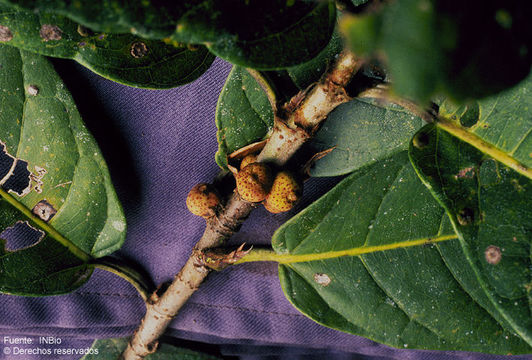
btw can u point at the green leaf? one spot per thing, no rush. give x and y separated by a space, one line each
110 349
124 58
502 122
244 112
489 206
51 167
433 46
287 83
268 34
362 32
299 33
305 74
362 131
406 297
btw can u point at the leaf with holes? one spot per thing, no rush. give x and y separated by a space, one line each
110 349
54 183
366 259
244 113
361 132
268 34
489 206
124 58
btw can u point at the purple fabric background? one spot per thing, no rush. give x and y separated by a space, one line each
159 144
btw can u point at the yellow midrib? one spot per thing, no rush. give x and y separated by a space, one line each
44 226
482 145
270 255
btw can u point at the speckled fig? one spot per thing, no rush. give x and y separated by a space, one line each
254 182
248 159
285 192
203 200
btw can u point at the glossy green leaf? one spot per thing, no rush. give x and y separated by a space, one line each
362 131
268 34
124 58
288 82
357 271
503 121
299 32
244 113
305 74
110 349
489 206
54 180
434 46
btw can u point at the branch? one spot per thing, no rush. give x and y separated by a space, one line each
290 132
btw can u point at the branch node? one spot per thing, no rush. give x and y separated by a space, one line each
218 259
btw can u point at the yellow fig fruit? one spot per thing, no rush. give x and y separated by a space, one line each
248 159
202 200
286 191
254 181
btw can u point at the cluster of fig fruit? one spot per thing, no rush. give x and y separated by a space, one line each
255 182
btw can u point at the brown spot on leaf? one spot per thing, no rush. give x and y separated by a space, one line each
466 173
50 32
138 49
493 254
322 279
5 33
44 210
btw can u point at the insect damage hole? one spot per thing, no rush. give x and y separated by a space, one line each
21 236
7 164
44 210
493 254
466 216
15 177
19 181
421 140
50 32
322 279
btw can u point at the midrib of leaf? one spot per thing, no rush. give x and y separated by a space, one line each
48 229
251 105
482 145
270 255
266 87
